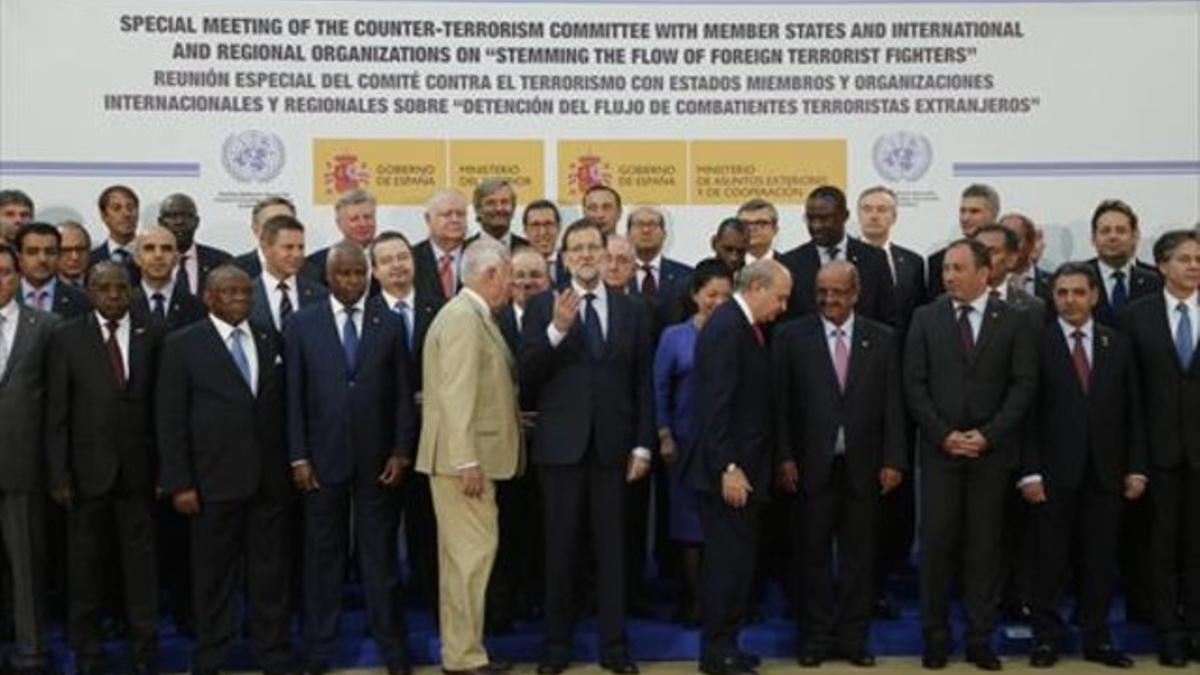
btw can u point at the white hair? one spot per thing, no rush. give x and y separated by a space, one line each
481 257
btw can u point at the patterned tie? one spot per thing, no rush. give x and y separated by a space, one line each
350 338
285 304
841 357
239 356
401 308
183 277
114 354
160 306
1120 293
964 328
1080 360
1184 342
592 331
446 272
649 285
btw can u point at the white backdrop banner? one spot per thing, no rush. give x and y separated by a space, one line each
695 106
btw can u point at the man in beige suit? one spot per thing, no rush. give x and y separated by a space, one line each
470 438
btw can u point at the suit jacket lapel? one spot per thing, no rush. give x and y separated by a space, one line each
225 358
991 314
21 340
493 330
825 356
266 358
858 354
616 320
260 304
370 332
953 336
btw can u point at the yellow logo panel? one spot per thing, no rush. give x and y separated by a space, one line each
400 172
781 171
648 172
521 162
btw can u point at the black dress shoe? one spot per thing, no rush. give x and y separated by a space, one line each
1172 657
859 657
1043 655
812 657
935 656
1106 655
730 665
549 667
984 658
748 660
620 664
144 668
399 669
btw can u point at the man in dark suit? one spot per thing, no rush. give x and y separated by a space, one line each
978 206
1025 274
280 290
73 253
541 222
351 430
393 268
100 449
178 214
354 214
826 214
16 209
37 247
1088 449
158 295
495 201
223 462
877 213
731 466
1002 245
603 205
25 336
970 375
439 256
1164 328
656 276
119 212
585 359
842 442
1122 277
265 209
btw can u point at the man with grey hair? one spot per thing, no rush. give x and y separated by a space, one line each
439 257
495 202
73 252
978 206
731 466
470 438
355 217
1025 273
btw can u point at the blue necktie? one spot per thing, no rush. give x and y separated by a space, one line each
592 333
1120 292
239 357
350 338
401 308
1184 343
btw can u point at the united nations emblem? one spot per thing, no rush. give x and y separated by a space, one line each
253 156
902 155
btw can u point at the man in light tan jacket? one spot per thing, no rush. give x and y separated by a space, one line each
470 437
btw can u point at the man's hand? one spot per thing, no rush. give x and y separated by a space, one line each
735 489
63 494
1034 492
787 476
186 502
954 445
889 479
1135 486
393 471
304 478
667 449
636 469
975 442
566 309
472 481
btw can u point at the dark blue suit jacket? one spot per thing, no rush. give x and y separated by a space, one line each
733 404
609 400
347 421
307 291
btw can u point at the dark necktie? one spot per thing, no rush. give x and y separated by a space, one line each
592 332
183 277
649 285
285 304
758 335
160 306
833 252
401 308
994 295
350 338
964 328
114 354
1079 358
1184 342
1120 292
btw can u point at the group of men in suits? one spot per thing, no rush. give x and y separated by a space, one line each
875 366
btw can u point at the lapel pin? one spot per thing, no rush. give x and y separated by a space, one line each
1104 341
865 343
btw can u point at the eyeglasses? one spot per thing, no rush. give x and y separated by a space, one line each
585 248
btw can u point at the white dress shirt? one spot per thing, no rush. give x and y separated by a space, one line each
113 247
600 303
123 325
30 294
751 258
251 350
410 303
275 296
167 290
339 317
1106 277
1089 337
655 269
831 331
1173 317
745 307
979 305
193 268
455 261
823 251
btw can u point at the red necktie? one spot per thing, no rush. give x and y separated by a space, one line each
964 328
1080 360
758 335
649 285
447 274
114 354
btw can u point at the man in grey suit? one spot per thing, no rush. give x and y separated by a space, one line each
970 374
24 337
